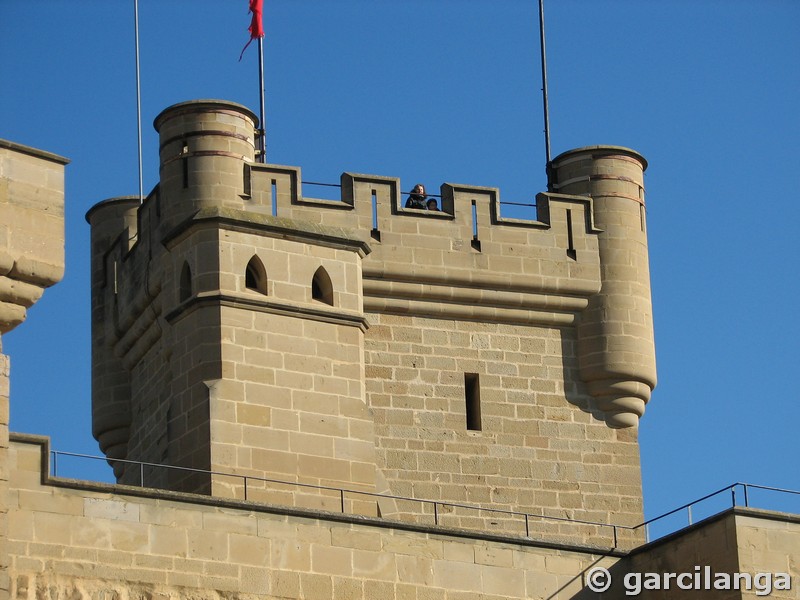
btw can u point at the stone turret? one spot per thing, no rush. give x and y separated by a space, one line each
203 148
615 334
111 221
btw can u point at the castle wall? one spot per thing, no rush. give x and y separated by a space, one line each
768 543
79 540
90 543
291 400
740 540
31 259
4 475
539 449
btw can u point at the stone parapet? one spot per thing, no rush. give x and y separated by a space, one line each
84 540
81 541
31 228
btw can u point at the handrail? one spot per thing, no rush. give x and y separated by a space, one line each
339 185
437 504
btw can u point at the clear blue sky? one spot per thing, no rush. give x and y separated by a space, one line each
449 90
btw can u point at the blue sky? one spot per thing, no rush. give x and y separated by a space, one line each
706 90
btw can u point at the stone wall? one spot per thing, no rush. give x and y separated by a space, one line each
75 540
538 448
740 540
5 469
83 542
31 259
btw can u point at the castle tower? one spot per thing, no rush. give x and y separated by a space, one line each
246 330
615 335
216 325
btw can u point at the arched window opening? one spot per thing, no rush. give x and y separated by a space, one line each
255 276
321 287
185 288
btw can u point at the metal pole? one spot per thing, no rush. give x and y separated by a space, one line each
544 85
138 97
261 89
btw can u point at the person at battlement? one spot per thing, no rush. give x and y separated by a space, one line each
416 198
432 205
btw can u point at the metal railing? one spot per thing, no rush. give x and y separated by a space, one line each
728 489
437 508
502 202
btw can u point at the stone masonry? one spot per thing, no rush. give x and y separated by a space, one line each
468 360
460 356
31 259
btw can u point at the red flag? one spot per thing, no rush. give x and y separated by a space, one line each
256 24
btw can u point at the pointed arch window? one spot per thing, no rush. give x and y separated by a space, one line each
321 287
185 286
255 276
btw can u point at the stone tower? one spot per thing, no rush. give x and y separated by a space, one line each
242 329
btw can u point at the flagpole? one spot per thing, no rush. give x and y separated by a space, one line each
138 97
544 90
261 89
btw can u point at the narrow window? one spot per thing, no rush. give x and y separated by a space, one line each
641 216
571 252
476 243
472 394
274 198
255 276
247 181
321 287
376 234
185 165
186 283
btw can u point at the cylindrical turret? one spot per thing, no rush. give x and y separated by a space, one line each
111 411
616 352
203 148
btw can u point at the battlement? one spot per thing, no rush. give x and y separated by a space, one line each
240 324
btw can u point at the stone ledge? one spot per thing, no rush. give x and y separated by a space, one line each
33 152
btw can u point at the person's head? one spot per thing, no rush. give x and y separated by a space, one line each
419 189
432 204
